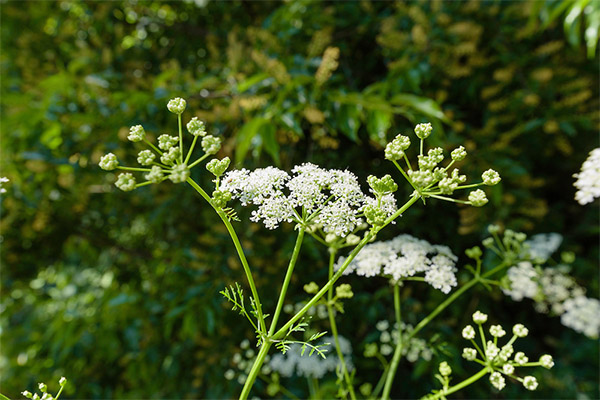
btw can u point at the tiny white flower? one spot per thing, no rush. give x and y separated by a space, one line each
229 374
468 332
497 331
530 383
508 369
519 330
521 358
479 317
176 105
547 361
469 353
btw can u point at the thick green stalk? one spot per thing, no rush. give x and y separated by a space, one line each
282 331
461 385
260 359
240 251
398 352
334 330
287 279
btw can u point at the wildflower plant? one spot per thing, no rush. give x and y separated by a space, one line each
330 206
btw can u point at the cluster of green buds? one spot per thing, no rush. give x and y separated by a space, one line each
500 360
342 291
382 188
44 390
431 180
166 160
508 246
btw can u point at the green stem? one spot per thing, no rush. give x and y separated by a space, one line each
287 279
398 352
461 385
421 148
198 161
406 176
451 299
133 169
59 392
283 330
240 251
260 358
379 385
473 185
153 146
189 154
180 139
334 330
448 199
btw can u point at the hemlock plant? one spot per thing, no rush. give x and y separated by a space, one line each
331 207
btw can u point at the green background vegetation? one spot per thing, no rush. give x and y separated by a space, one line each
119 291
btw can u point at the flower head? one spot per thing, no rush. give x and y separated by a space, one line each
547 361
146 157
479 317
478 198
445 369
176 105
108 162
497 380
179 173
469 353
588 180
196 127
458 154
530 383
490 177
395 149
165 142
211 144
519 330
136 133
423 130
468 332
125 182
497 331
155 175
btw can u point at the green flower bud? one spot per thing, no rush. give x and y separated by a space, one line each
125 182
493 228
221 197
547 361
508 369
497 380
108 162
530 383
458 154
27 394
311 288
478 198
170 156
497 331
146 157
211 144
479 317
155 175
218 167
196 127
423 130
445 369
344 291
371 350
519 330
179 173
136 133
395 149
165 142
176 105
490 177
374 215
436 155
62 381
474 252
382 186
568 257
488 242
469 353
43 387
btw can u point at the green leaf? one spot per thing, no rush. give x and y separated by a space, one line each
423 105
267 133
253 80
292 123
348 120
245 135
378 123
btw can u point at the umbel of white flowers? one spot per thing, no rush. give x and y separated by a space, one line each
588 180
406 256
499 359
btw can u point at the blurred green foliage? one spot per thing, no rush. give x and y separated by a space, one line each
119 292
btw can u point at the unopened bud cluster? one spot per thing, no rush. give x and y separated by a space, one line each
168 159
500 360
431 179
43 388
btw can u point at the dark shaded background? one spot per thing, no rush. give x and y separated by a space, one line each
119 291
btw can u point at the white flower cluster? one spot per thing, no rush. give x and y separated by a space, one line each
555 291
44 390
311 366
331 199
588 180
541 246
582 314
405 256
499 358
412 348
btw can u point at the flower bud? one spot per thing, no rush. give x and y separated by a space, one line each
145 157
490 177
530 383
479 317
108 162
547 361
211 144
468 332
155 175
196 127
179 173
136 133
469 353
445 369
125 182
519 330
458 154
478 198
218 167
423 130
176 105
497 380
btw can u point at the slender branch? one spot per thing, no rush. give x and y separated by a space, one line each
153 146
334 330
398 352
180 139
457 387
260 358
189 154
240 251
287 279
198 161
